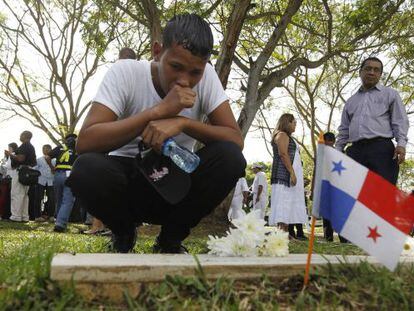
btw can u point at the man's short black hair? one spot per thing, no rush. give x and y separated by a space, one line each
372 58
27 134
191 32
329 136
127 53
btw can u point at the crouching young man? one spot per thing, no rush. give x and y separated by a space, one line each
153 101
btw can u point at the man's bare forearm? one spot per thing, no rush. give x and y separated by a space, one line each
107 136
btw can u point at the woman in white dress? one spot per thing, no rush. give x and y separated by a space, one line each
288 196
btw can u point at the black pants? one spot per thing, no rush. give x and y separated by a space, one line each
328 232
110 189
5 187
32 201
49 205
299 230
377 155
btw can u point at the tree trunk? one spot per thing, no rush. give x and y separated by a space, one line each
219 215
229 43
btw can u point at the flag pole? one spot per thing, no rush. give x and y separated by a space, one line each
313 222
310 250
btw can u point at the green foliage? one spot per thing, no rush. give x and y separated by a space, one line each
406 176
94 33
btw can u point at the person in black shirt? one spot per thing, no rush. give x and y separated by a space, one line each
24 155
65 156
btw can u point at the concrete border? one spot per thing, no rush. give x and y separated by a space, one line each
108 275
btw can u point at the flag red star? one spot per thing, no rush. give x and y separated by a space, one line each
373 233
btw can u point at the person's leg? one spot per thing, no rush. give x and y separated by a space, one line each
20 200
291 230
102 184
342 239
32 203
221 165
15 197
50 203
38 198
327 230
7 208
262 209
58 190
65 210
299 231
380 160
356 152
25 204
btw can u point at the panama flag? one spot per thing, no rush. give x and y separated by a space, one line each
362 206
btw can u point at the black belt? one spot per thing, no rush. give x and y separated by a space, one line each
366 141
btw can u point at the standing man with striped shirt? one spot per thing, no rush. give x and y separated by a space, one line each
371 118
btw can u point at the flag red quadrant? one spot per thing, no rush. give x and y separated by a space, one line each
388 202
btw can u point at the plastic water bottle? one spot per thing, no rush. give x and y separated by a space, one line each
182 157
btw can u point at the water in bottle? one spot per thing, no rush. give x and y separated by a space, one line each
182 157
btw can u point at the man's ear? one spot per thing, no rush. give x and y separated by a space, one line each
157 51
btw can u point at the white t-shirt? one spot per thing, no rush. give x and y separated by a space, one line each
127 89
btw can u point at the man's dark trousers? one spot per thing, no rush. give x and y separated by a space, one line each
111 189
49 204
377 155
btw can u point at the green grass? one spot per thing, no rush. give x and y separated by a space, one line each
26 251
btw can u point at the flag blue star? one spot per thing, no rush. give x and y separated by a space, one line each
338 167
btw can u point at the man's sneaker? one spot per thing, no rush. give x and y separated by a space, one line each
124 243
176 248
59 229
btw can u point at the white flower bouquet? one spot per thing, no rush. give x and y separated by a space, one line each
250 238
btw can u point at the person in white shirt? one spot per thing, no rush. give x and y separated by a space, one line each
151 101
260 199
6 163
45 186
241 192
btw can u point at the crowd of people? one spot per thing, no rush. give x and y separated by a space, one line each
371 118
142 102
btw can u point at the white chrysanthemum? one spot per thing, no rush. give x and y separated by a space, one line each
236 243
251 238
241 243
217 246
408 249
276 244
252 225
